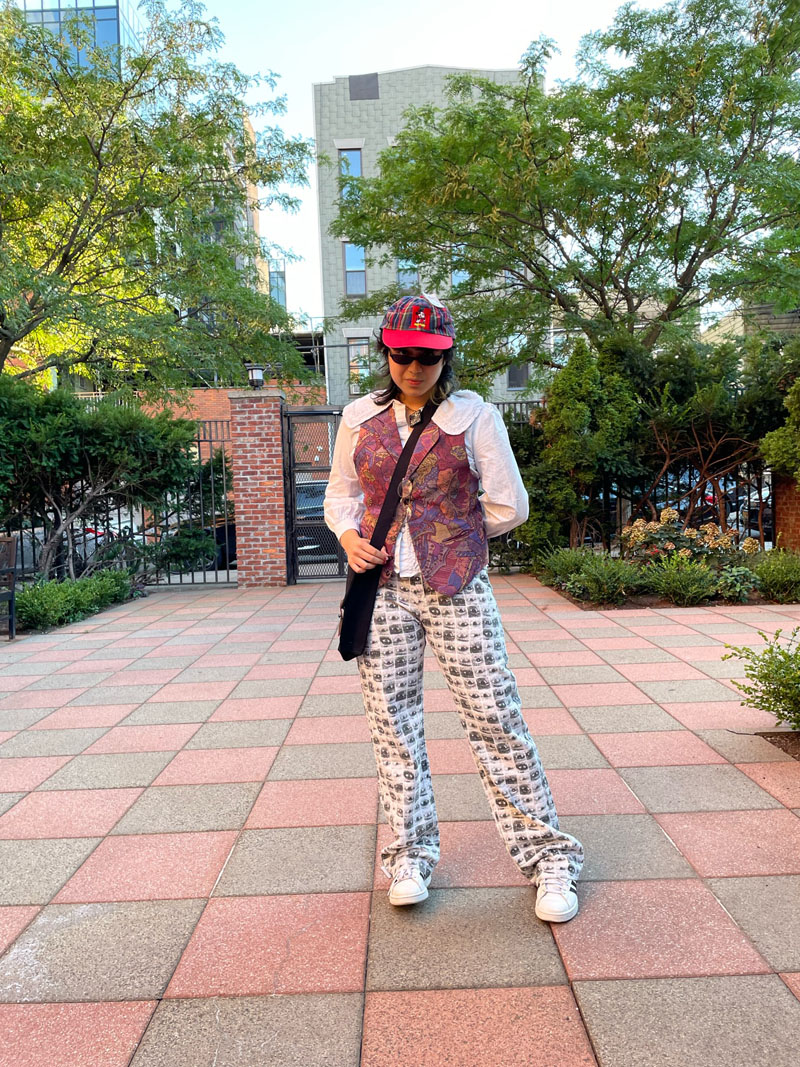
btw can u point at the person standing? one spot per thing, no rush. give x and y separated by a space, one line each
462 486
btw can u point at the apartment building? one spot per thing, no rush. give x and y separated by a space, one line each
355 119
116 22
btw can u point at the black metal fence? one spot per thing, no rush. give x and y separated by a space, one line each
186 538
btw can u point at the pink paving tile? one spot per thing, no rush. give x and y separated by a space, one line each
6 734
265 671
260 946
608 644
564 659
250 708
725 844
58 655
665 928
659 672
448 756
592 792
13 921
74 1035
137 642
655 748
782 780
472 856
12 683
217 766
300 646
720 715
67 813
242 659
538 1027
328 729
192 691
439 700
40 698
666 629
154 677
178 650
605 693
554 634
550 721
163 738
333 802
700 653
528 676
332 684
26 772
793 982
150 867
89 715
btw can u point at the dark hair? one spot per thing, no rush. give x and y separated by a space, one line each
387 390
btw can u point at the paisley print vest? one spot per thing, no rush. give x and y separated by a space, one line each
439 495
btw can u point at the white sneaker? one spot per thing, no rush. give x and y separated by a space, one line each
408 886
556 899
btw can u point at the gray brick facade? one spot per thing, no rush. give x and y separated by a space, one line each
349 114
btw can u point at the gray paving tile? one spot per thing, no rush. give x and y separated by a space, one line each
272 687
580 675
352 760
692 1022
681 640
459 798
743 747
156 663
569 752
620 847
630 718
98 952
635 655
442 725
706 787
557 644
29 668
184 808
315 859
211 674
253 733
314 656
51 742
538 696
70 681
290 1031
337 669
675 692
768 910
8 800
110 771
21 718
335 704
720 669
32 872
461 938
114 694
172 712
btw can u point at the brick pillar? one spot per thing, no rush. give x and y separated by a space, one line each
786 510
257 460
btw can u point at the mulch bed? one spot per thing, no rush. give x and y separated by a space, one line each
787 742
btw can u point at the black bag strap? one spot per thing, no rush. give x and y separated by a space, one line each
390 503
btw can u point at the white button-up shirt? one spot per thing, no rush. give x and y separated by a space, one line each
503 497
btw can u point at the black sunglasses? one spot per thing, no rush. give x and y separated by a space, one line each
428 358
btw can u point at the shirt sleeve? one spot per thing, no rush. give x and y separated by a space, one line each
344 498
504 499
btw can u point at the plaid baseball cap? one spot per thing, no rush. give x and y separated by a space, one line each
418 322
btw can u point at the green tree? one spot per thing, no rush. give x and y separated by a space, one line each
663 178
124 186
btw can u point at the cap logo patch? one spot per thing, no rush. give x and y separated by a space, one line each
422 319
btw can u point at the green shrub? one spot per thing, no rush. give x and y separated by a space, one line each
773 676
779 574
737 583
54 603
602 579
556 566
683 581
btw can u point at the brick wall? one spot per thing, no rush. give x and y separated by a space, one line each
257 451
786 505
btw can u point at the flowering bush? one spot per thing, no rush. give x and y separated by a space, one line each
651 541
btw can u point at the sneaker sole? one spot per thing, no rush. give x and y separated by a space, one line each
416 899
560 918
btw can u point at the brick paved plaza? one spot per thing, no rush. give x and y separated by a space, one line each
190 827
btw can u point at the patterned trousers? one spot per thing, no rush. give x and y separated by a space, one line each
466 635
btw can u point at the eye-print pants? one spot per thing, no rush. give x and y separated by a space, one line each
466 635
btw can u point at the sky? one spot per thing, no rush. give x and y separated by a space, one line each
309 41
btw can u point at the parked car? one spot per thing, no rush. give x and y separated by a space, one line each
315 542
744 517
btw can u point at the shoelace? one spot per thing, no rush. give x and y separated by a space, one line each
403 873
555 884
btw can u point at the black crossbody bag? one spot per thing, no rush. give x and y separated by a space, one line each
355 612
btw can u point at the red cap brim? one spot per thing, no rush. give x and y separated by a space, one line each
415 339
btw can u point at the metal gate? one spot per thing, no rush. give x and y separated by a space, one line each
312 549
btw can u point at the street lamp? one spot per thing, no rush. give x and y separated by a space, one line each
255 374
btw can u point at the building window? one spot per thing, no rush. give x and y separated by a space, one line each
350 162
277 281
518 375
358 363
407 276
355 270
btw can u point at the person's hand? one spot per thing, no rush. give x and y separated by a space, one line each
360 554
